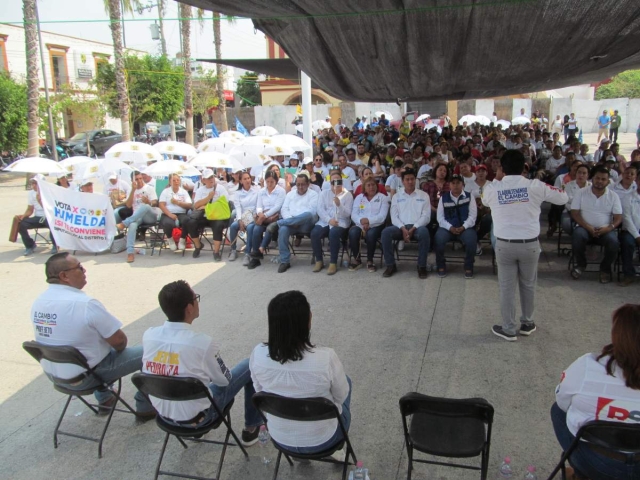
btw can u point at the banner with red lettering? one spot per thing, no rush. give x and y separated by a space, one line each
77 220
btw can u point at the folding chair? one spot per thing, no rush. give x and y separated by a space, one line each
40 239
615 439
304 410
447 427
180 389
157 238
72 356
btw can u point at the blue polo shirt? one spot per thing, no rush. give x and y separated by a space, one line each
603 120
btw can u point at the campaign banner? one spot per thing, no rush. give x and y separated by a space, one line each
78 220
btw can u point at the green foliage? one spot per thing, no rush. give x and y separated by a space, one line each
248 90
13 114
83 104
204 92
623 85
154 85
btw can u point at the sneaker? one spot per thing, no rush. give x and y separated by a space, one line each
527 330
497 330
29 251
217 257
249 438
182 244
442 273
105 408
401 245
233 255
246 260
371 267
253 263
284 267
478 251
172 246
355 266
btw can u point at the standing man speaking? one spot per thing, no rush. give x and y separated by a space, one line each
515 207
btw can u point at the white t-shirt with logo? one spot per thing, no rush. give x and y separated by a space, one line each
586 392
146 191
64 315
120 185
181 196
32 201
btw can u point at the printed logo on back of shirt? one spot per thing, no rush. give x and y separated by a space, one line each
617 410
513 195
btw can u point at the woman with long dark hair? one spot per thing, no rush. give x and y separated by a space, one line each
603 386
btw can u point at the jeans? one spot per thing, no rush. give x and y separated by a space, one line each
233 235
394 233
628 246
30 223
302 223
112 367
256 232
581 237
484 225
566 223
517 265
468 238
370 238
144 215
336 236
585 461
613 132
337 436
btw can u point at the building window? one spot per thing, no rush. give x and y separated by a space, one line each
4 65
100 59
59 69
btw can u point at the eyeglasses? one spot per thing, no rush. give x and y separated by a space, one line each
78 267
196 298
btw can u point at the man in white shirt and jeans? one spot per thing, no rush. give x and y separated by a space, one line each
515 209
598 212
176 349
65 316
33 217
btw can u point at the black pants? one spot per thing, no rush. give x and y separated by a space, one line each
612 132
168 224
29 224
195 226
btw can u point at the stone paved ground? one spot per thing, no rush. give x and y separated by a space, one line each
393 335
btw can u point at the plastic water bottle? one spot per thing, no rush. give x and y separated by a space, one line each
531 473
263 441
141 251
359 473
505 469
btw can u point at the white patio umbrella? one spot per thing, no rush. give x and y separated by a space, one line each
222 145
133 152
290 140
168 167
431 126
97 168
265 130
276 150
386 114
423 117
482 120
247 159
35 165
71 164
215 160
520 120
176 148
503 123
232 133
320 125
467 118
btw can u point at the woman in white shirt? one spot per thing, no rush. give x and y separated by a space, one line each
288 364
602 387
246 203
175 202
369 212
571 188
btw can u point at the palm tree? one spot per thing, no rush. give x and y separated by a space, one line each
113 9
33 81
217 40
185 26
163 42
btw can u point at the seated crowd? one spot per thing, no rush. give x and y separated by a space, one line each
387 187
290 365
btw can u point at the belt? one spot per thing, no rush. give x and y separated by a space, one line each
621 457
518 240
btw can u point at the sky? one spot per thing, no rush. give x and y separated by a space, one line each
87 19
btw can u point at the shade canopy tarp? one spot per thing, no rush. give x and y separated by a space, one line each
382 50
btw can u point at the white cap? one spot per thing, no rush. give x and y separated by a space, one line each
112 175
36 177
327 117
88 181
391 145
207 173
307 160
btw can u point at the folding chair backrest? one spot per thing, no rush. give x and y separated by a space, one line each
170 388
300 409
56 354
477 408
615 436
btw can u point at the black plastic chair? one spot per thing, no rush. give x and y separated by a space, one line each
305 410
616 439
447 427
180 389
72 356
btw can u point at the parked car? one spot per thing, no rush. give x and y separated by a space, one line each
164 132
99 142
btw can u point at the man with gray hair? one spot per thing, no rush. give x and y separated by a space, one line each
66 316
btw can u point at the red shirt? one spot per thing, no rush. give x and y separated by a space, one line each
358 190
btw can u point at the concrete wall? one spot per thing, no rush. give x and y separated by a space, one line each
503 108
633 115
244 114
587 112
519 103
485 107
281 116
466 107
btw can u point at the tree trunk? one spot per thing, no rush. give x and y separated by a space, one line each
121 85
33 81
185 25
163 42
222 103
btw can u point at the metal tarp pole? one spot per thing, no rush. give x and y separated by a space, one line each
305 81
